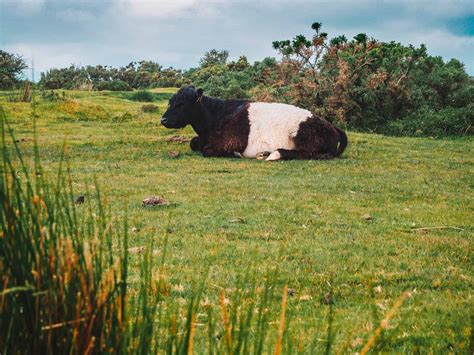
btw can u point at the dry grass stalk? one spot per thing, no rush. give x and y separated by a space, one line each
191 334
281 328
438 227
384 322
225 320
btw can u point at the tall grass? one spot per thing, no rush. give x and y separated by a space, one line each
63 286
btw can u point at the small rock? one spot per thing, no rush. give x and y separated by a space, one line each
367 217
155 201
80 200
290 291
173 154
38 174
135 230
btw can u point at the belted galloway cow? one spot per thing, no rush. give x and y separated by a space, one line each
274 131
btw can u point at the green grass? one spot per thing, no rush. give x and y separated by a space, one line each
232 221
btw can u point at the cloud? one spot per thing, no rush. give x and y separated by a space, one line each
177 33
156 8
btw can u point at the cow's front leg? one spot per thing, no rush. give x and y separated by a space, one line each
198 143
195 144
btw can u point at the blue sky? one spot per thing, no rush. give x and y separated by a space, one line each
176 33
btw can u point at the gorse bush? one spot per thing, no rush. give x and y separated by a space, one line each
367 84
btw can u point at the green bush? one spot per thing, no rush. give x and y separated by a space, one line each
114 85
142 96
449 121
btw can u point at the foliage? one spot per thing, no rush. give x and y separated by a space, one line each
448 121
142 96
367 84
214 57
144 74
113 85
11 68
235 79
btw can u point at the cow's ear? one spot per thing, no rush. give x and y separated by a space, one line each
200 91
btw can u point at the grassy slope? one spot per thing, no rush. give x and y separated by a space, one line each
303 217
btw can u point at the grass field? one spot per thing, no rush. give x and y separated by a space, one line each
238 220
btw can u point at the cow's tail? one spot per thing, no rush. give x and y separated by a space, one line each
342 141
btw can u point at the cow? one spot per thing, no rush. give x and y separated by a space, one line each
241 128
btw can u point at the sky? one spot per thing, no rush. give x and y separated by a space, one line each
176 33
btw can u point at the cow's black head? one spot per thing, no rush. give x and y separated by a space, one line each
181 106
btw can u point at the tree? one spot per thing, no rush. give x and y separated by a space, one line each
214 57
11 68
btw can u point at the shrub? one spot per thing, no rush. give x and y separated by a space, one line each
449 121
370 85
114 85
142 96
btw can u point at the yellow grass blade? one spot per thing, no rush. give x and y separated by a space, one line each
281 328
384 322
